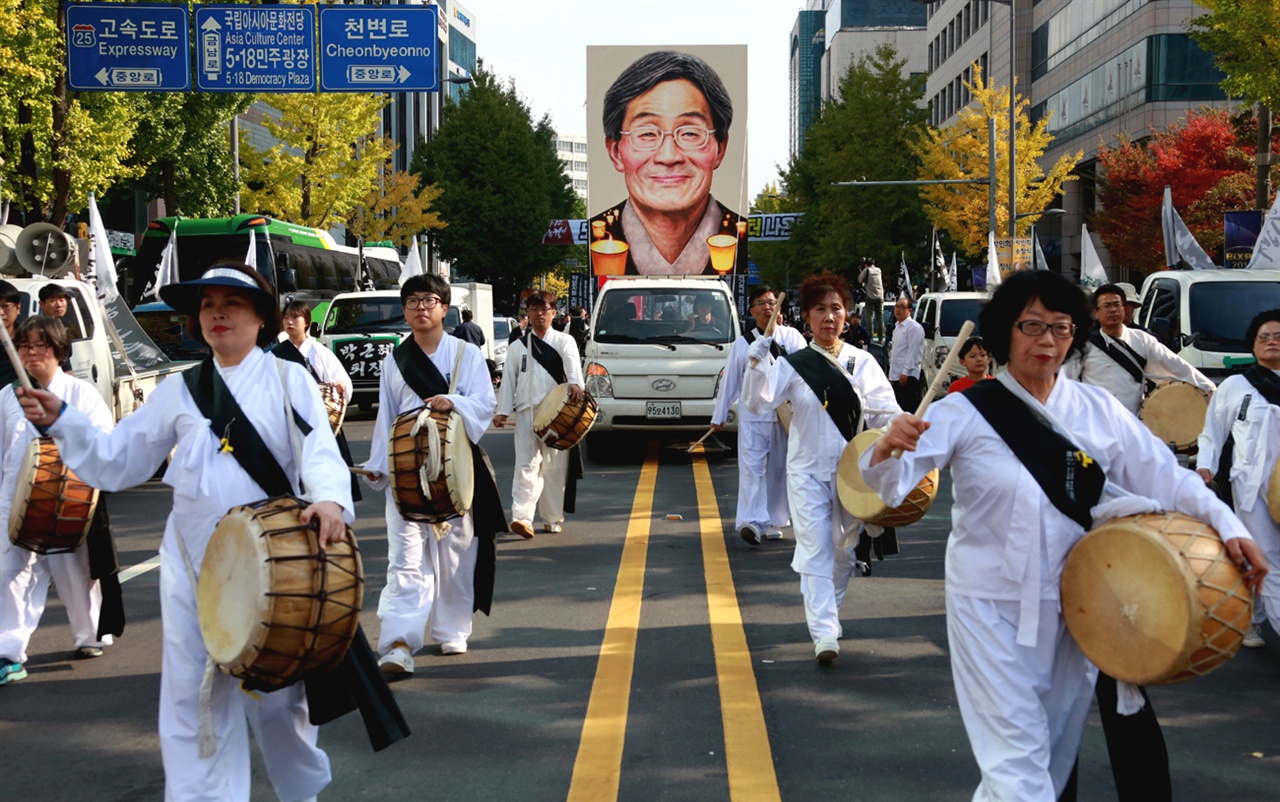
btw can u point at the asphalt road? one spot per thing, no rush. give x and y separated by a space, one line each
668 586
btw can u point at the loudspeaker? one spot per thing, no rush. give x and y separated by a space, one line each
45 250
8 258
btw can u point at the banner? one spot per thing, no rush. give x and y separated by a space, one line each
760 228
1014 254
667 159
1240 231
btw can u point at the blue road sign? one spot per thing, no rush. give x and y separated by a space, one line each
753 272
378 49
140 47
256 48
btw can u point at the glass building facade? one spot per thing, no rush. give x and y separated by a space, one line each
806 75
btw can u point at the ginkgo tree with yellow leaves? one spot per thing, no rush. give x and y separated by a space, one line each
396 208
960 151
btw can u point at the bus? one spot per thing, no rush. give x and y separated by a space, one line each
305 263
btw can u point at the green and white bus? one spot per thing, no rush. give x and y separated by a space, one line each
295 260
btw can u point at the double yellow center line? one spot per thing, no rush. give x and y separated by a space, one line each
598 768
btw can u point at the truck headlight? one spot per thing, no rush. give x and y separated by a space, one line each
599 384
940 355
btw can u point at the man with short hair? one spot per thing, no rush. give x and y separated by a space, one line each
1119 359
762 441
873 286
857 334
10 309
538 362
467 331
906 355
54 301
578 326
522 325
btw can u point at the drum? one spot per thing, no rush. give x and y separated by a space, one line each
272 604
862 502
1273 495
1174 412
561 423
52 509
784 413
1154 599
335 403
432 477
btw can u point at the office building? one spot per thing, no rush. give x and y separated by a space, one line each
572 150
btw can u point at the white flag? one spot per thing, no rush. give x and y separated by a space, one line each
904 279
952 286
101 263
1266 251
939 262
251 258
412 265
167 270
1092 273
993 263
1179 243
1040 262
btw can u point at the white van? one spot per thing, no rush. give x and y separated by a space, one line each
1201 315
942 314
651 366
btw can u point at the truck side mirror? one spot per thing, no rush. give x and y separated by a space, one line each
315 329
1162 330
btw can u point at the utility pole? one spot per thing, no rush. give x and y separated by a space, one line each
1263 182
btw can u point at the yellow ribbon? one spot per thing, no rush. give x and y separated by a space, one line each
226 447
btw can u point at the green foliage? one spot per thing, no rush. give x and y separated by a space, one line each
864 135
1244 37
500 182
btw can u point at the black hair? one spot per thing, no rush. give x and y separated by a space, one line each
1255 325
1108 289
1018 292
466 315
546 297
757 291
659 67
297 309
9 294
51 290
50 330
969 345
264 303
428 282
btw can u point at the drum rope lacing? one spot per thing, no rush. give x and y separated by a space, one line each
432 463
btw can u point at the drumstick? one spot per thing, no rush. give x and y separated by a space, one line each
700 439
768 330
941 375
13 357
363 472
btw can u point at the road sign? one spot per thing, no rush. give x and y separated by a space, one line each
256 48
140 47
378 49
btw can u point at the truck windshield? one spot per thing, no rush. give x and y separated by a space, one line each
1221 312
369 315
955 311
662 316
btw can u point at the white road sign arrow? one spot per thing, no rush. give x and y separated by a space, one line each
404 74
102 76
210 24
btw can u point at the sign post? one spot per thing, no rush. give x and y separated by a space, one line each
378 49
243 48
139 47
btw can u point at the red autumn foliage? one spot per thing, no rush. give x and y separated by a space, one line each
1207 160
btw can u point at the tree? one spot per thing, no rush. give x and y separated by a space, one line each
1244 37
1206 159
500 183
960 151
864 134
326 159
397 208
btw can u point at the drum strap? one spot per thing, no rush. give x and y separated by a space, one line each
774 348
545 355
1122 354
1265 382
831 385
418 371
1071 479
1268 386
290 353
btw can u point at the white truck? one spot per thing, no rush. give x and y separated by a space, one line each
656 353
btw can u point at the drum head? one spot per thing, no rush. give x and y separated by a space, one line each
232 599
22 488
1273 497
855 495
1175 412
550 406
1129 602
459 465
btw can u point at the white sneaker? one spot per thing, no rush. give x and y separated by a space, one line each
453 647
1253 638
773 533
554 529
751 533
398 661
826 651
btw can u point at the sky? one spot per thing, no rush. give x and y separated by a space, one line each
543 47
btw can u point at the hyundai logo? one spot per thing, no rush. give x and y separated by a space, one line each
663 385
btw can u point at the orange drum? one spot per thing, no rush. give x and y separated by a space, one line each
432 476
560 423
862 502
52 509
272 604
1154 599
335 403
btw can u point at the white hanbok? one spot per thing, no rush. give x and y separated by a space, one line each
1023 686
540 471
824 556
25 575
1240 410
429 580
326 365
206 484
1096 367
762 442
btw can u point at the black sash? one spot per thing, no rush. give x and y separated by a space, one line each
487 516
831 385
357 681
1268 386
1070 478
553 363
774 348
1123 355
290 353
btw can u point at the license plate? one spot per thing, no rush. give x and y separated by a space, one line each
662 409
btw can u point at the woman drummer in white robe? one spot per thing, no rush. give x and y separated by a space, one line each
1022 684
296 317
234 312
24 575
825 533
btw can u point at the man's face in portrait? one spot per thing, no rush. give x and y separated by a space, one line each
674 173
